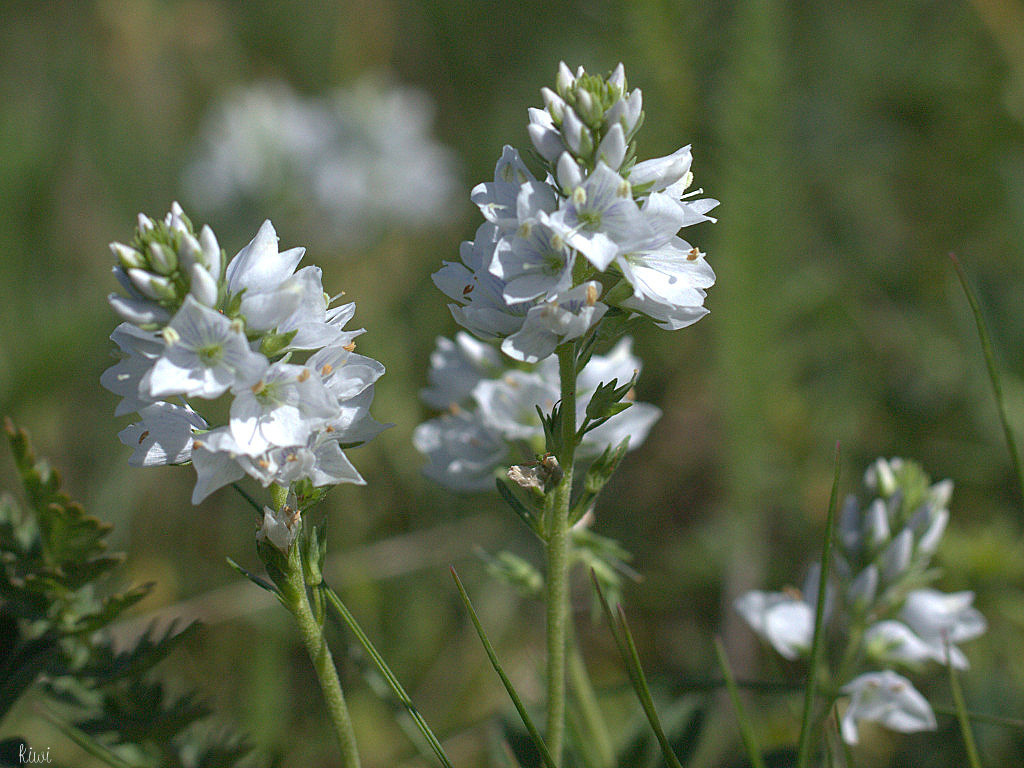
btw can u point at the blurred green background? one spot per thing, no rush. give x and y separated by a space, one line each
853 146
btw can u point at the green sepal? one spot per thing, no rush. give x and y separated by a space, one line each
606 403
598 474
552 429
308 495
276 563
274 343
312 545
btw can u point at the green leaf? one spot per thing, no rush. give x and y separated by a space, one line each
516 701
524 513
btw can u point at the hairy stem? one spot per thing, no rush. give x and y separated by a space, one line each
296 598
556 513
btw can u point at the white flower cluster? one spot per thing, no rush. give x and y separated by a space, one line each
599 231
255 332
881 569
342 164
491 417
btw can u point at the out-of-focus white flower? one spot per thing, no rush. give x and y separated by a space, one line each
888 699
784 619
493 421
942 620
345 164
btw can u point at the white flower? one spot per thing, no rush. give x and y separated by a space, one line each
598 216
141 349
215 460
164 436
206 354
783 619
515 194
533 262
339 165
940 619
563 318
888 699
493 411
456 367
263 277
287 405
463 454
480 307
280 527
893 642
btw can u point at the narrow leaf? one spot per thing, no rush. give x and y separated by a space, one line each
627 649
818 643
386 673
993 371
742 719
489 649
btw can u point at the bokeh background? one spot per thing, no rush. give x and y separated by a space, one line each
853 146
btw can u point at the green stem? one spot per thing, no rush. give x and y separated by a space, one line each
556 514
818 643
296 599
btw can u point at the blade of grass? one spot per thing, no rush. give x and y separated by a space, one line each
746 731
248 497
981 717
387 674
993 371
627 649
84 740
961 713
818 644
489 649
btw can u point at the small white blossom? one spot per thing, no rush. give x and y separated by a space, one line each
784 619
206 354
280 527
888 699
164 436
942 619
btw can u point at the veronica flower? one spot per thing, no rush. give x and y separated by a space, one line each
206 354
888 699
784 619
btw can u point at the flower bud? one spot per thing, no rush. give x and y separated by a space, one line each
152 286
202 285
127 256
898 555
929 540
162 259
876 523
568 173
613 147
211 251
618 77
144 314
572 131
554 104
585 106
564 80
189 253
864 588
144 223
